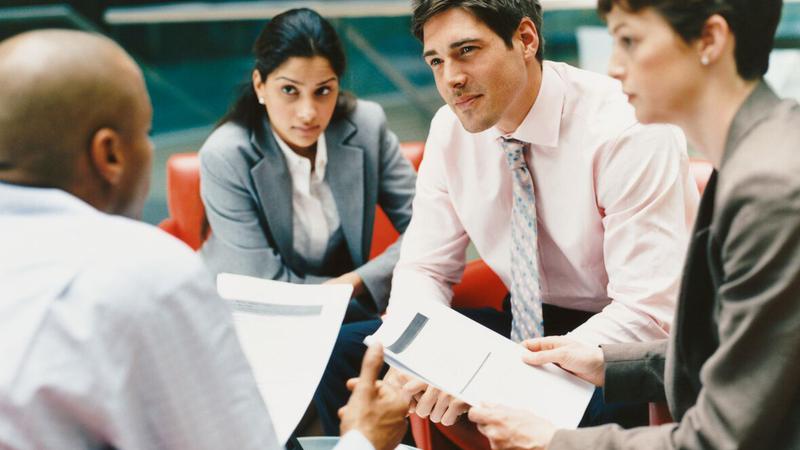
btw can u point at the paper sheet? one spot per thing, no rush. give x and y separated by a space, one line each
287 332
471 362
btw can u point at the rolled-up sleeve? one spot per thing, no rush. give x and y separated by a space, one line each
648 200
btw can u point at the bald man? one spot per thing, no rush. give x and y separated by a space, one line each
111 333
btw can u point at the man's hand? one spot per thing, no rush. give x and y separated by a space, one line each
375 409
425 400
512 429
585 362
434 404
351 278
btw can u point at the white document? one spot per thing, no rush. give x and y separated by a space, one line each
469 361
287 332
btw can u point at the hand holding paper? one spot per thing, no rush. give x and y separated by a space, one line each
585 362
476 365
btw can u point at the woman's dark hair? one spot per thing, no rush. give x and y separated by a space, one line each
300 33
752 22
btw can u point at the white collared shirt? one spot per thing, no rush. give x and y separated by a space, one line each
111 332
615 203
315 217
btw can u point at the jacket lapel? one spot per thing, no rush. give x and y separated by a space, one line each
273 185
345 176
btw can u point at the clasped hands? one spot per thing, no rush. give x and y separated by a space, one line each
506 428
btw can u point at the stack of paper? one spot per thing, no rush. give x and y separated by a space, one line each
469 361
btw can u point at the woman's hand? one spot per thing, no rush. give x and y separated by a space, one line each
351 278
584 361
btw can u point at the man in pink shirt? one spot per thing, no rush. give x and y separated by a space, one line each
608 202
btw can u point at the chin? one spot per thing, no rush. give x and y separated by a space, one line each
475 124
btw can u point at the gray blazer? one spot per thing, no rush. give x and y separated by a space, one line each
247 192
731 369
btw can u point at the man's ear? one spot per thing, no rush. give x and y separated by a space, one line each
529 36
106 155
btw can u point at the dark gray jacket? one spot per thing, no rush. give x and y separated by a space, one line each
731 369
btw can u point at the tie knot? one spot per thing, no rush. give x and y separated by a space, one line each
515 152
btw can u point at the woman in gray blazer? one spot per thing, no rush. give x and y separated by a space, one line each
291 176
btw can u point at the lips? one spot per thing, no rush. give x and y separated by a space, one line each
465 101
307 130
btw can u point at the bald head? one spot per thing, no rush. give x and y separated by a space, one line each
58 88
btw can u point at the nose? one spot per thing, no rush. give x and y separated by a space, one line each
616 67
454 76
307 111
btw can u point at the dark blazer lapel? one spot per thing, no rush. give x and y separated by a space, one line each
345 176
273 183
757 107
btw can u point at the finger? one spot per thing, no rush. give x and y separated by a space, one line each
340 412
441 407
351 383
544 343
557 356
370 368
415 388
481 414
427 402
456 408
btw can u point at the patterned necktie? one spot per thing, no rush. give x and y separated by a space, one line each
526 301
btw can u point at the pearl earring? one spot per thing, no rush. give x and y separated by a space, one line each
261 100
704 60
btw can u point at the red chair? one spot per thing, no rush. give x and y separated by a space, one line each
186 213
383 231
187 220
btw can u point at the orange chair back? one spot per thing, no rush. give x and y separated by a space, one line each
383 231
186 213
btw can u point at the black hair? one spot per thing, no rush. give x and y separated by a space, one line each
501 16
752 22
298 32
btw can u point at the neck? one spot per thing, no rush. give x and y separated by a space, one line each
519 109
711 115
310 153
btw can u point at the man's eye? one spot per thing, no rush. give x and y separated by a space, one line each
467 49
434 62
291 90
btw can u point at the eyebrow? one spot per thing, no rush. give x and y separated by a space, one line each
617 27
303 84
455 44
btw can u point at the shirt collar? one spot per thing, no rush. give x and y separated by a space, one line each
542 125
21 199
294 160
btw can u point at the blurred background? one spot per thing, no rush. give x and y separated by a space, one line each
195 56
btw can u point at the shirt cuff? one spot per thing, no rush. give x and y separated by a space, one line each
354 440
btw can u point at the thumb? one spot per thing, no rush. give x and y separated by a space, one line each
370 368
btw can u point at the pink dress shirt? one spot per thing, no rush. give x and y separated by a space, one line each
615 203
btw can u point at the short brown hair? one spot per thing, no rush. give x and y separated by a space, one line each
501 16
752 22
